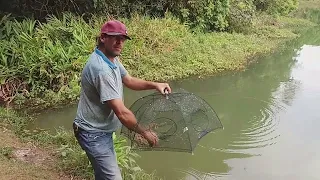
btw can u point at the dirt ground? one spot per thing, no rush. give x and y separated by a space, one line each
26 161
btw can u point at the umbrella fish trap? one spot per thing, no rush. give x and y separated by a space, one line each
179 119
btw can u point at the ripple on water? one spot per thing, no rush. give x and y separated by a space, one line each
261 131
258 131
193 174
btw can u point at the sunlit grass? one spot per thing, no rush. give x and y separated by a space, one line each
309 4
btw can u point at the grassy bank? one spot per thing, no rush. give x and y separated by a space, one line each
46 59
309 10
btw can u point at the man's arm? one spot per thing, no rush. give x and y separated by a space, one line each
140 84
137 84
128 119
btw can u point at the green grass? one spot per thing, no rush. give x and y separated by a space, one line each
165 50
49 56
308 9
6 152
309 4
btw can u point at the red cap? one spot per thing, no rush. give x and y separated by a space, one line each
115 27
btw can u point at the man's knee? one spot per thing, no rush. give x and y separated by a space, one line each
102 155
107 168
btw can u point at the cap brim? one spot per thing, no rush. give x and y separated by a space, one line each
118 34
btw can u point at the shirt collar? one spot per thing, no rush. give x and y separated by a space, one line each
105 59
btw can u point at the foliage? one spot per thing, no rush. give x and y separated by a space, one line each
309 4
203 15
6 151
278 7
312 14
206 15
40 9
43 55
242 14
277 28
49 57
308 9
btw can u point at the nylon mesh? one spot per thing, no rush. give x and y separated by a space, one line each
180 120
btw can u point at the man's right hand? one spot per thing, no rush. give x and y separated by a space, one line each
151 137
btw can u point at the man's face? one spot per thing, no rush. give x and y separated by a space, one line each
113 44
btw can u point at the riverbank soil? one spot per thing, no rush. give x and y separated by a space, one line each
25 161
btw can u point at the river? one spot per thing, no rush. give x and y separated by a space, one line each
270 114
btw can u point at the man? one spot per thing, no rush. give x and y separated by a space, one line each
101 110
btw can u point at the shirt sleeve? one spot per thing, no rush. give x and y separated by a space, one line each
106 87
122 69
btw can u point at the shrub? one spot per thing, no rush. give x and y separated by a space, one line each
278 7
206 15
241 16
45 56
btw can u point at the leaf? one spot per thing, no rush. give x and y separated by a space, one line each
135 169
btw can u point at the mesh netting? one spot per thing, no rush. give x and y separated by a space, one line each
180 120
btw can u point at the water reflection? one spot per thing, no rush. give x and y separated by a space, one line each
286 126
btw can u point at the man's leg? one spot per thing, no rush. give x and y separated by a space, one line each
100 151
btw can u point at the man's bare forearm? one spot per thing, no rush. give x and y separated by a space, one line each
140 84
128 119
